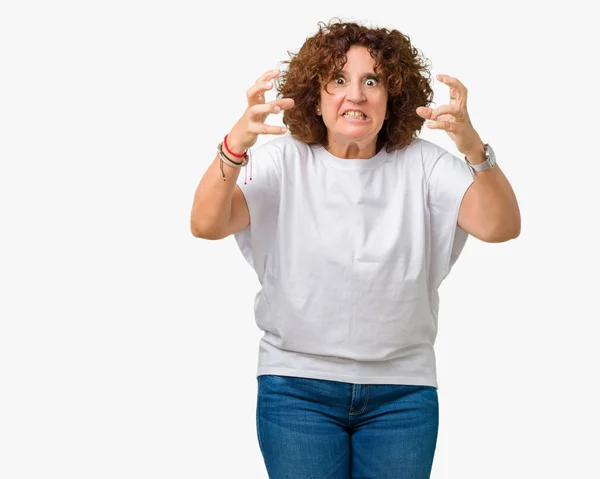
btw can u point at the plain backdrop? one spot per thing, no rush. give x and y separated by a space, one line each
128 347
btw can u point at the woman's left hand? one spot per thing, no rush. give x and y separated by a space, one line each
454 117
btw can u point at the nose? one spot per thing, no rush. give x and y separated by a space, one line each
355 93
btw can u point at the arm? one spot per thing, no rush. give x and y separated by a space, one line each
489 210
219 207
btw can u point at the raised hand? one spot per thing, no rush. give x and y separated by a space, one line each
252 123
453 118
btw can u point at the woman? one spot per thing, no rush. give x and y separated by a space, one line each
351 223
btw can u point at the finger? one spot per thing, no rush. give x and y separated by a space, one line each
452 110
448 126
452 81
268 75
263 129
260 110
256 93
264 109
424 112
458 91
284 103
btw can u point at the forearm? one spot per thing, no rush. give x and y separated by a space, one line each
211 209
498 206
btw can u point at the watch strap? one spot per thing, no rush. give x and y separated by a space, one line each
486 165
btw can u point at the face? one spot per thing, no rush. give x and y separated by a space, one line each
354 107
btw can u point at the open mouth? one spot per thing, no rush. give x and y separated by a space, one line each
355 116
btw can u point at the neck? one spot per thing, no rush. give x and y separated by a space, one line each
352 149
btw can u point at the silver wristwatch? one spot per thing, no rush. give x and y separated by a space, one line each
490 161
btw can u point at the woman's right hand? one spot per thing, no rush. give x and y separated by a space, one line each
252 123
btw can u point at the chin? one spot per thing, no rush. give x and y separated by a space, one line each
357 135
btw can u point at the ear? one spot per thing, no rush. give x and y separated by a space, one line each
318 110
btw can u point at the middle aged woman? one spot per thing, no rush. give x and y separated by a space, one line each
351 223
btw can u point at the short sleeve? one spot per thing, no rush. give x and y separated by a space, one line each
448 179
261 186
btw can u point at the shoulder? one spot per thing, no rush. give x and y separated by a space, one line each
419 155
433 156
281 146
271 157
427 149
419 148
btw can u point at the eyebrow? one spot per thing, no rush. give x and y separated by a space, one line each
363 75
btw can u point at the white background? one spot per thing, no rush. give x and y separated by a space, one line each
128 347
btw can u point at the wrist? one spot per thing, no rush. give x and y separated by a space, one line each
234 146
476 155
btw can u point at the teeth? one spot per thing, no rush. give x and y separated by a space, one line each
354 114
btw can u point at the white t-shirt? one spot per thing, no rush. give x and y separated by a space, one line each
349 254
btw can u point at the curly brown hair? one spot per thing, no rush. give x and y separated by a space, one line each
404 71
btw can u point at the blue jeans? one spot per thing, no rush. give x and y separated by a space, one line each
317 429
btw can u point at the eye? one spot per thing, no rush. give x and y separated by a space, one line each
339 81
371 81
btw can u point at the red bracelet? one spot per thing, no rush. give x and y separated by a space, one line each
231 152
